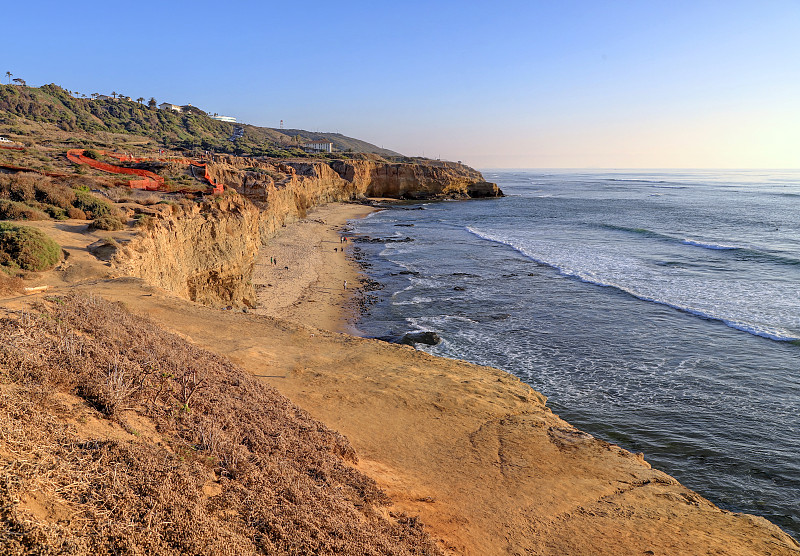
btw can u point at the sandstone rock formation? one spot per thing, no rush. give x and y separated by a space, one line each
205 251
353 178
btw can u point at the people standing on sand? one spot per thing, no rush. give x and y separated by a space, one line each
345 284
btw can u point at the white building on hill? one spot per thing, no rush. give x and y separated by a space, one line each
168 106
230 119
318 146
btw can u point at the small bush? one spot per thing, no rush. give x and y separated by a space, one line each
53 211
19 187
27 248
13 210
54 194
91 153
93 206
76 213
110 223
144 221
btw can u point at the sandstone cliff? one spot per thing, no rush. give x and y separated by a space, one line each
338 179
205 251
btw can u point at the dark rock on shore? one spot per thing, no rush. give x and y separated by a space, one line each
422 337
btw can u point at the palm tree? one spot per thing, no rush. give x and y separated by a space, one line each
152 102
140 100
9 74
114 94
95 95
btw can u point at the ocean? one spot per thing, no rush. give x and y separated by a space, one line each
658 310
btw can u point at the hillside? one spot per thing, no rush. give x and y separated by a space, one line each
50 104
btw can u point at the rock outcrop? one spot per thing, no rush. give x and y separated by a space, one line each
340 179
205 251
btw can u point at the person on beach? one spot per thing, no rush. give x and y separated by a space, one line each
345 284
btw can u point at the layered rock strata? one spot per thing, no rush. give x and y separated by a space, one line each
205 252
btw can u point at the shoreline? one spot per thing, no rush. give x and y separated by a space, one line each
300 274
471 451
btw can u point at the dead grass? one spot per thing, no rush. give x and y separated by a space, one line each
10 284
236 468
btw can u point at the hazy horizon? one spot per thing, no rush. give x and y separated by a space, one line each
526 84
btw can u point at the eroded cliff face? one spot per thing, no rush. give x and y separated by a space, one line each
203 252
206 251
321 181
431 180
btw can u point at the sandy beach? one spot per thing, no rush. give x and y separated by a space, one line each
301 274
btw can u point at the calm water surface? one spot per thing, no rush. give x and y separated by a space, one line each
656 310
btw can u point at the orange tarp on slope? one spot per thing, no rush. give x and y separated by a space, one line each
151 181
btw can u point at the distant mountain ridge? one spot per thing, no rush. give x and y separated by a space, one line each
188 129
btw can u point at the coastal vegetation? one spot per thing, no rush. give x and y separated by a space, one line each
120 437
189 129
26 248
28 196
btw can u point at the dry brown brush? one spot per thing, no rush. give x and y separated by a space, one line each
220 463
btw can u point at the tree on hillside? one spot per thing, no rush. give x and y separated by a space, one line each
19 81
140 100
95 95
9 74
114 94
152 102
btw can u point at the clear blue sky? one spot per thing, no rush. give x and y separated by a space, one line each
498 84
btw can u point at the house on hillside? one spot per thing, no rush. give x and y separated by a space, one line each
103 97
168 106
318 146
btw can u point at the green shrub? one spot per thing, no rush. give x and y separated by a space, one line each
13 210
93 206
91 153
110 223
27 248
57 213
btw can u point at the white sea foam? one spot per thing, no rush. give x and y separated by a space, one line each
709 245
416 300
770 311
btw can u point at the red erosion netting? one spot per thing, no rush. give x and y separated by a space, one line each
151 181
